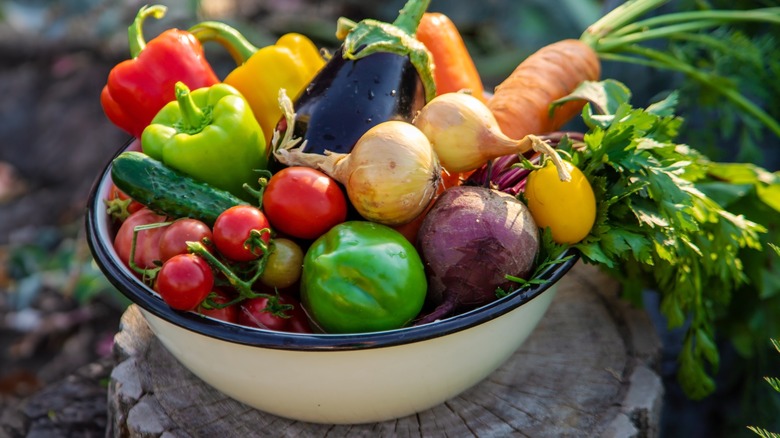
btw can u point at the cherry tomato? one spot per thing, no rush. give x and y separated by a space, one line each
184 281
176 235
147 249
228 313
232 231
568 208
255 312
303 202
120 206
284 264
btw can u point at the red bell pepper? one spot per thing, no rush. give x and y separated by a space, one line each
139 87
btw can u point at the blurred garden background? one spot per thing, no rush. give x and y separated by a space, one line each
58 313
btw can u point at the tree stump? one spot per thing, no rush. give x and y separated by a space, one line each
587 370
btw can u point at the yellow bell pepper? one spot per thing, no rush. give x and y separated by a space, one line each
291 64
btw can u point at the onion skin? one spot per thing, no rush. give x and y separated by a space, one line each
470 239
464 133
391 175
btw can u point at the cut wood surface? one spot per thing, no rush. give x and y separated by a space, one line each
587 370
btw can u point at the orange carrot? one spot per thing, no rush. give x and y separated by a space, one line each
521 102
454 69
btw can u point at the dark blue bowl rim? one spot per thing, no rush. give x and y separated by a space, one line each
139 294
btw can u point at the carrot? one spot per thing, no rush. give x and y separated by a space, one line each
454 69
521 102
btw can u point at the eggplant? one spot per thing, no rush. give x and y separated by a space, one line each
380 73
347 98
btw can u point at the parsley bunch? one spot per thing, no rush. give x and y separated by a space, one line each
655 228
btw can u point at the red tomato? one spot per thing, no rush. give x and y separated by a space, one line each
229 313
255 312
120 206
147 248
184 281
176 235
303 202
232 231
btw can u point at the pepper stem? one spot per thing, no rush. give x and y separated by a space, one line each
135 33
239 48
410 15
192 117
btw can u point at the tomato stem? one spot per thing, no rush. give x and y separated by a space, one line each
149 274
243 287
265 176
118 209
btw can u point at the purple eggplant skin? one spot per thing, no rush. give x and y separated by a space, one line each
347 98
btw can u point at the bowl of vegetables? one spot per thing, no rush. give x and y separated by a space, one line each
334 256
310 375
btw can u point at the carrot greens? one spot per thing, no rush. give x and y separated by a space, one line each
619 34
656 228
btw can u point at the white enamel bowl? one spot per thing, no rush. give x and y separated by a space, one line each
337 379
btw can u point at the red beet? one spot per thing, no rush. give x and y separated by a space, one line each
470 239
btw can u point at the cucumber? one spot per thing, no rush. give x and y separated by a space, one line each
168 191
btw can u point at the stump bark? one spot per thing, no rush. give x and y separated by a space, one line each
589 369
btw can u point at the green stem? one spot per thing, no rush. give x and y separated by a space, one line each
608 44
192 116
660 60
768 15
704 40
617 18
410 15
680 22
620 31
244 288
239 48
265 176
148 274
135 33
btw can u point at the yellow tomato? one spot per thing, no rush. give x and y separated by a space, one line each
568 208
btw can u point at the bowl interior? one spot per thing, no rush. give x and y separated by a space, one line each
100 239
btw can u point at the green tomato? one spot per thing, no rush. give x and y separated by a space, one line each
283 267
362 277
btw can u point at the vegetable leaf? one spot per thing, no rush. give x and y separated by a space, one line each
601 95
658 226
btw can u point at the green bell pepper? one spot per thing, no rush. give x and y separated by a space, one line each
210 134
362 277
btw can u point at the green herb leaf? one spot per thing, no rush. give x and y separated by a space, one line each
661 221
